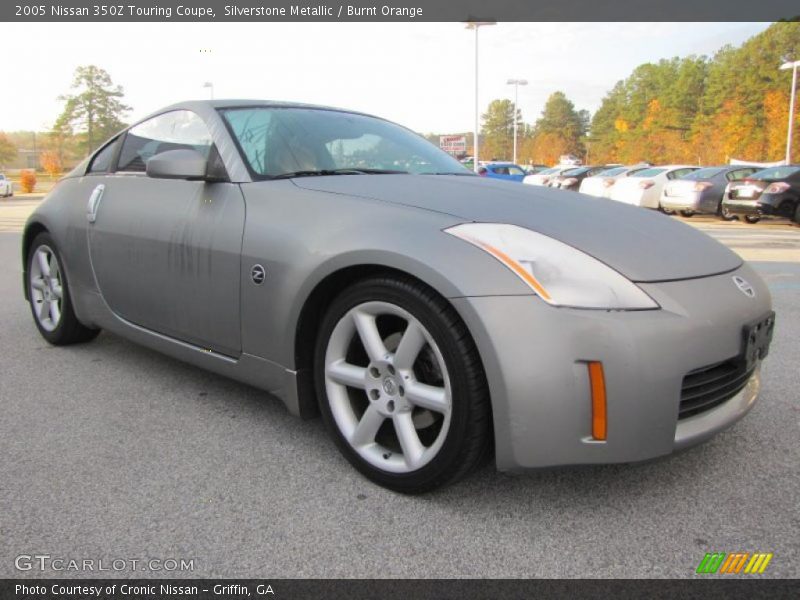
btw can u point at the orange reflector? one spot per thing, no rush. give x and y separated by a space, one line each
598 385
518 269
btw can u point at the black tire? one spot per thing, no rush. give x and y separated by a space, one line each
724 214
687 213
468 437
752 219
797 213
69 330
667 211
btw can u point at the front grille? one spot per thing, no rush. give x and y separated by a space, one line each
708 387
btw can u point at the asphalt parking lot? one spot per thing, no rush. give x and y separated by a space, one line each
113 451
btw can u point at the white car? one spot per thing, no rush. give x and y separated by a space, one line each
643 188
544 177
600 185
6 187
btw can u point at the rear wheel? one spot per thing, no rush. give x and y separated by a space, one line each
400 385
725 214
667 211
797 213
687 213
752 218
48 293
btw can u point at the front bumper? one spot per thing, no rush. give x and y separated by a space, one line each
535 358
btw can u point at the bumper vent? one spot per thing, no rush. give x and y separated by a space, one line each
708 387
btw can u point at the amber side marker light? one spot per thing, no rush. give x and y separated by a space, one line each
597 380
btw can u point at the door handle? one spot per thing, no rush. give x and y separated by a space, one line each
94 203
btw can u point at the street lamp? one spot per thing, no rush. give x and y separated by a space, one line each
476 25
210 87
516 83
793 66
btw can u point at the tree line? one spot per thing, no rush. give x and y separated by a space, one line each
696 110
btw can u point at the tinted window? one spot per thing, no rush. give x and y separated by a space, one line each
740 173
612 172
278 141
678 173
648 173
515 171
706 173
176 130
101 163
776 172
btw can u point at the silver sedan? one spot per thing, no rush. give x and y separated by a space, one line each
343 264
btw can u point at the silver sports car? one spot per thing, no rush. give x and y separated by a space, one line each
343 264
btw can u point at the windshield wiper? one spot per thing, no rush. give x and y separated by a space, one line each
321 172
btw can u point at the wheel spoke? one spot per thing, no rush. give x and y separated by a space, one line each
44 264
38 284
55 311
43 310
346 374
369 335
367 427
427 396
408 438
58 291
409 347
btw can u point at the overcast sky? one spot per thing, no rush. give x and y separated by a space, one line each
420 74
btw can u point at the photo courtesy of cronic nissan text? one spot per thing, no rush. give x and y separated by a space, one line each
414 299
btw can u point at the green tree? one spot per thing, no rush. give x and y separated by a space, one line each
497 130
7 149
94 109
560 128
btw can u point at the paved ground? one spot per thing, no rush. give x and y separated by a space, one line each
112 451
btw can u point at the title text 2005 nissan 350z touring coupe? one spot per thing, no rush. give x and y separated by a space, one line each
347 266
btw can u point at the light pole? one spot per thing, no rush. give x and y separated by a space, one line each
516 83
476 25
210 87
793 66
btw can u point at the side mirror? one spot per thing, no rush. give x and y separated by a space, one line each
177 164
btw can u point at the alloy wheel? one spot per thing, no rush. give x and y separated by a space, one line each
46 288
388 387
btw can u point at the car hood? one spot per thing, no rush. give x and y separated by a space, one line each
643 245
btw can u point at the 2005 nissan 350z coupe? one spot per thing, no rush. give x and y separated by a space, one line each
350 268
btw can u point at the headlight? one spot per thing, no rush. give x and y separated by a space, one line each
558 273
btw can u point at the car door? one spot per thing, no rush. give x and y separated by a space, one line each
166 252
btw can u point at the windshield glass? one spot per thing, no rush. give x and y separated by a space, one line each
550 171
648 173
578 171
300 141
775 173
706 173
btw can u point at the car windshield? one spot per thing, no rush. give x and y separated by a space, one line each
648 173
549 171
775 172
296 142
707 173
611 172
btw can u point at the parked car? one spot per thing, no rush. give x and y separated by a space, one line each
771 192
571 179
542 178
502 170
643 188
701 191
428 314
6 186
600 183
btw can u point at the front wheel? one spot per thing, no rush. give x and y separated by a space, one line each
400 385
752 219
667 211
48 293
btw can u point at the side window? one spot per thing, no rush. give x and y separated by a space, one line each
739 174
176 130
677 174
101 162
